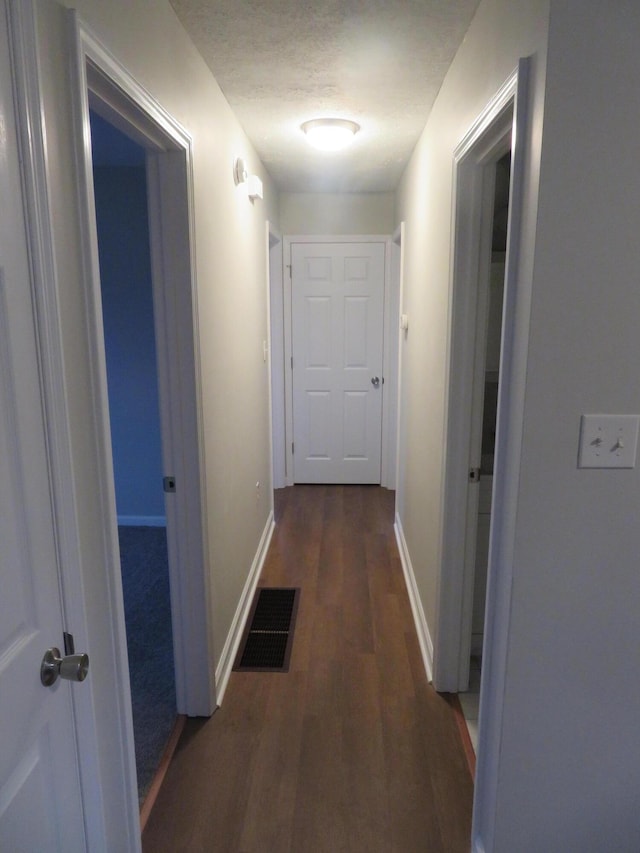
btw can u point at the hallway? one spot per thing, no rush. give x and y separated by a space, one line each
352 750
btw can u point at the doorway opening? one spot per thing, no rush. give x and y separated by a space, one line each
483 426
106 88
496 137
120 192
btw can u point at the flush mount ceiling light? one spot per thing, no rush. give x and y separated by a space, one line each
330 134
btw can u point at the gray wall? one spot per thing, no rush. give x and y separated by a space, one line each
570 771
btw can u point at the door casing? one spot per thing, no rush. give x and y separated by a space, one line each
111 91
276 357
507 115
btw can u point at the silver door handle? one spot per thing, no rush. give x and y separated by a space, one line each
375 381
70 667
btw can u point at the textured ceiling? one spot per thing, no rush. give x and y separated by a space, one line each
280 62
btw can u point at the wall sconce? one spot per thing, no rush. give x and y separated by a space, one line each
240 173
242 176
330 134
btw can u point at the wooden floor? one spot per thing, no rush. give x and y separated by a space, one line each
352 749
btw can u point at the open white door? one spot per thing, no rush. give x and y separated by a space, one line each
67 769
40 799
337 342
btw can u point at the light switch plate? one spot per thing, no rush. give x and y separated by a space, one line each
608 441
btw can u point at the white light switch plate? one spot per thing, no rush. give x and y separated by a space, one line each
608 441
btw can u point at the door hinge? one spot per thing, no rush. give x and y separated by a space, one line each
474 475
292 447
169 484
291 362
289 266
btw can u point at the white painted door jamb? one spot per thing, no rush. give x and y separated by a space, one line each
398 250
275 301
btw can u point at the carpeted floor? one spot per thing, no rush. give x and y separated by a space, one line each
145 580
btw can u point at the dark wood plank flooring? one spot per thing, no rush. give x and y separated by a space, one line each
352 749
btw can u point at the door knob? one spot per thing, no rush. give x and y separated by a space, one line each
375 381
70 667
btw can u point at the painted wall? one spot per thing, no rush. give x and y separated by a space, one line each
231 257
572 702
127 309
335 214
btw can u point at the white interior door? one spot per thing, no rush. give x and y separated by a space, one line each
40 800
337 346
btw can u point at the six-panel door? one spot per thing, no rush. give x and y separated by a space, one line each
40 800
337 343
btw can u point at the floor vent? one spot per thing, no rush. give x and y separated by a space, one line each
268 637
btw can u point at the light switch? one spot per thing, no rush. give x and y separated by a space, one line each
608 441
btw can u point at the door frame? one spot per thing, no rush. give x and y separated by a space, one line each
276 357
397 273
512 102
477 173
481 146
390 305
110 90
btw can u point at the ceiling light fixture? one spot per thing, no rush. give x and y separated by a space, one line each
330 134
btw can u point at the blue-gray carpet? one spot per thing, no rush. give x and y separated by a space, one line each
145 581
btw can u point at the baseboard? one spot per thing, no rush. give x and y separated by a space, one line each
142 521
422 628
225 665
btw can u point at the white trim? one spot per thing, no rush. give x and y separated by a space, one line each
399 246
391 321
513 371
287 242
420 620
142 521
230 650
275 295
288 372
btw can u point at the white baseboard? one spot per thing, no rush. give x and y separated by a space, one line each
228 656
422 628
142 521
